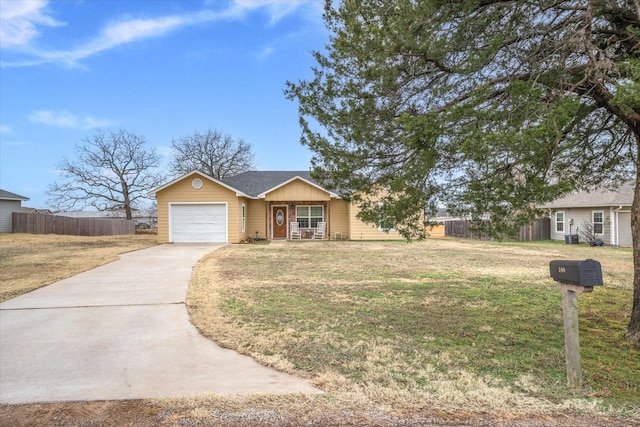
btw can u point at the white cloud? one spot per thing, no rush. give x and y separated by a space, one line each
21 23
16 143
66 119
277 9
19 20
266 52
283 43
5 129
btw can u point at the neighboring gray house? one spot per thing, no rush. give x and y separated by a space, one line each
9 203
607 211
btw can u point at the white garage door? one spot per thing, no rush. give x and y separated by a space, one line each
624 229
194 223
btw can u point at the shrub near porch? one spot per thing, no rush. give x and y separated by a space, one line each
448 324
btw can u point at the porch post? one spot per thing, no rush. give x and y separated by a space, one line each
327 212
269 222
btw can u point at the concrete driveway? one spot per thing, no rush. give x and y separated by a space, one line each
121 331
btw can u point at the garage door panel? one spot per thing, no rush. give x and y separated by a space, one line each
624 229
196 223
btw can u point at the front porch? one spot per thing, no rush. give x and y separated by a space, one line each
282 216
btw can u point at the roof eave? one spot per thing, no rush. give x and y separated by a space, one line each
15 199
264 194
195 172
570 206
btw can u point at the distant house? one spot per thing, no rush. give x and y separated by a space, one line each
607 212
26 209
265 204
442 216
9 203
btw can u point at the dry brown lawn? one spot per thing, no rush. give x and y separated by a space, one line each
341 274
30 261
445 324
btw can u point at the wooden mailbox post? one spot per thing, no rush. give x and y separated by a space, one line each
574 277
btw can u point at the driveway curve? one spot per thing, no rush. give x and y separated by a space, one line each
121 331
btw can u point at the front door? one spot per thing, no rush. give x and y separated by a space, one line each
279 219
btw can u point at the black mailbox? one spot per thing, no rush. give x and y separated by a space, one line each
582 273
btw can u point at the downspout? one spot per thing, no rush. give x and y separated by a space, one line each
615 238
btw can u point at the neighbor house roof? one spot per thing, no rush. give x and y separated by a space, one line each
7 195
623 195
26 209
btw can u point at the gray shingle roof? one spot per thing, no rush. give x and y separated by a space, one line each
7 195
623 195
254 183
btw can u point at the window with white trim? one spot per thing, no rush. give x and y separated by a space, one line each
598 222
385 223
244 217
309 216
560 222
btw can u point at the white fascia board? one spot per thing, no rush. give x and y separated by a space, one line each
264 194
585 206
169 184
14 199
241 194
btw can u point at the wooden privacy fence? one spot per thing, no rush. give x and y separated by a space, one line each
461 228
52 224
539 230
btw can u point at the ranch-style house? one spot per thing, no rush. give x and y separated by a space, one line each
264 204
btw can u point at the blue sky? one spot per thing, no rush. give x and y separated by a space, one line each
162 69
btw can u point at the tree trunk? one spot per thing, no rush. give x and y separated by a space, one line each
127 200
633 329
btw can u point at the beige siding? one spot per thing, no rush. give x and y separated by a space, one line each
339 218
361 231
243 234
257 218
298 190
183 192
434 230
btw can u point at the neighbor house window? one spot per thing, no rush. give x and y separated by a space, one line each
560 222
385 223
244 217
309 216
598 222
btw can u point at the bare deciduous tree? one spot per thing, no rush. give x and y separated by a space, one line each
111 170
212 153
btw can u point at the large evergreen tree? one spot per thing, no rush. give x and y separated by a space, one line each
485 106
